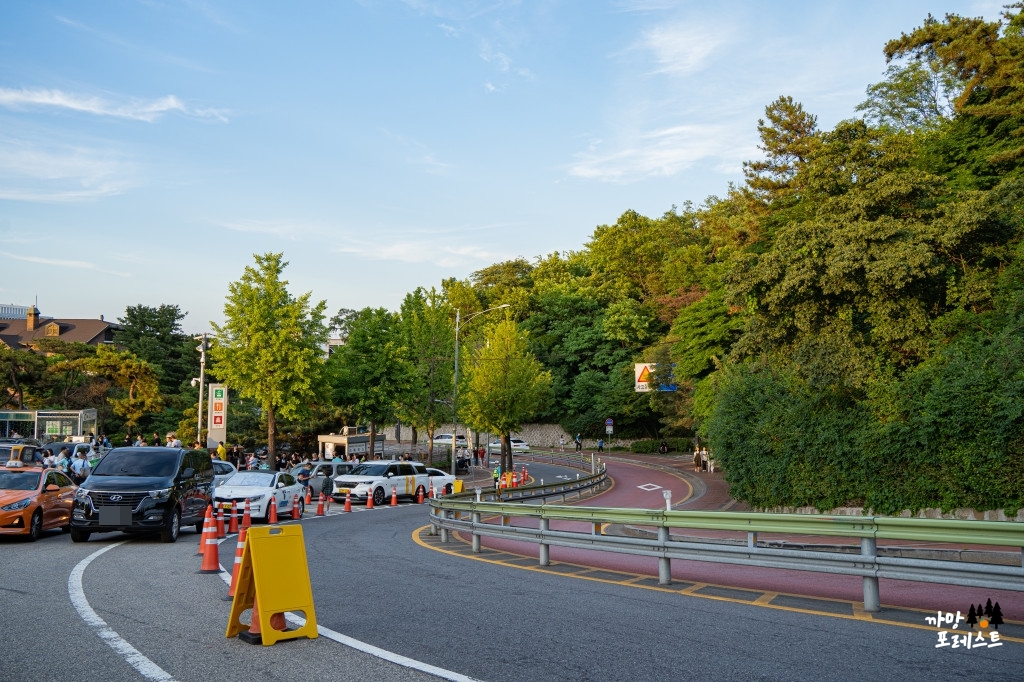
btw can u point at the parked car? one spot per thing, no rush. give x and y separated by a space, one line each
322 469
262 489
409 479
33 499
446 439
441 480
146 489
222 471
518 445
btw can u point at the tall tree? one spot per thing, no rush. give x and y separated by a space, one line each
369 375
429 336
137 391
19 369
156 336
505 387
271 346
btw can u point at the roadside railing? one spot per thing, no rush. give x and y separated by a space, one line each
592 479
464 513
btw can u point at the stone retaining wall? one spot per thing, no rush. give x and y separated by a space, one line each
931 513
542 436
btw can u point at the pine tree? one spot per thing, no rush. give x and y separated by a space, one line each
988 608
997 616
972 618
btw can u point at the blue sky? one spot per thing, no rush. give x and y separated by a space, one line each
148 148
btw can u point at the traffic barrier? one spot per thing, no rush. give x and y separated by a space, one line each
419 496
348 500
239 551
233 519
246 516
220 522
320 506
296 514
369 498
272 516
211 558
394 496
309 496
206 524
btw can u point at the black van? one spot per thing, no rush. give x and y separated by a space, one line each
146 489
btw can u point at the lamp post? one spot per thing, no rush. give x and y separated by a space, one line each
202 379
455 384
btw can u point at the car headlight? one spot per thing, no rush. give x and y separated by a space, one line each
20 504
161 494
256 498
81 494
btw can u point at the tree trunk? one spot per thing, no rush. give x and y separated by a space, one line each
506 452
271 440
412 439
373 439
430 445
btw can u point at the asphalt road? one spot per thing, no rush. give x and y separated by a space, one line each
372 582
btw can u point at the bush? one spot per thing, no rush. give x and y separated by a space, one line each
647 447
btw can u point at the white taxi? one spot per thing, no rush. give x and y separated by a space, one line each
262 489
377 478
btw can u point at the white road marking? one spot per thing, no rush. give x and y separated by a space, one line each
649 487
370 649
130 654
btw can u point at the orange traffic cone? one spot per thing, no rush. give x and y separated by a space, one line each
369 498
272 518
206 524
309 496
348 500
255 633
431 494
394 496
220 522
211 559
419 497
320 506
233 521
526 477
296 514
239 551
246 517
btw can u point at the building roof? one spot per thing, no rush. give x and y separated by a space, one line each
14 334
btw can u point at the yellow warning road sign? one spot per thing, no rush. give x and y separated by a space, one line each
275 574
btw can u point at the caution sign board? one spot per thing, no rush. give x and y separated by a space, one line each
642 375
273 579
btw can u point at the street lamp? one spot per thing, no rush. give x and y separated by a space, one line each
455 384
202 378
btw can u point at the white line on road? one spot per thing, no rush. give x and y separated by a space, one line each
130 654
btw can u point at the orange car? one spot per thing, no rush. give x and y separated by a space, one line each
34 499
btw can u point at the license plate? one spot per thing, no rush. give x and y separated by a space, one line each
115 516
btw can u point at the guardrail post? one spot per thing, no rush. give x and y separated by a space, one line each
664 563
593 463
478 491
868 550
476 536
545 549
751 539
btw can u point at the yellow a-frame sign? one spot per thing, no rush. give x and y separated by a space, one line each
275 576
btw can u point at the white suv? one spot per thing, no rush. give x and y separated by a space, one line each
446 439
377 478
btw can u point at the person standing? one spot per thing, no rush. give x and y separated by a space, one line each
600 444
305 475
127 440
62 462
80 468
579 442
222 452
561 443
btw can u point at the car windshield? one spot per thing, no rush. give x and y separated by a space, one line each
251 479
151 462
5 452
19 480
370 470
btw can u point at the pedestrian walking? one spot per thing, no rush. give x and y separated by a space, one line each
579 442
561 443
600 444
80 468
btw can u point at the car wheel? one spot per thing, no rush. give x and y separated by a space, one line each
378 497
302 507
79 535
266 512
173 528
35 526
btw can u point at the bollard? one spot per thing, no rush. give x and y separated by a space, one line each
545 548
478 491
664 563
667 494
871 599
476 536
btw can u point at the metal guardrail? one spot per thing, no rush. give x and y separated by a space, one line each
447 514
596 478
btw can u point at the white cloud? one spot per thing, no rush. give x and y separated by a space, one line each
29 172
284 229
682 49
449 31
135 109
419 251
489 87
80 264
662 152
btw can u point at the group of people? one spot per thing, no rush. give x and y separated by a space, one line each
77 468
702 461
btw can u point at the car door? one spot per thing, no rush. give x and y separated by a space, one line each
49 501
316 483
65 498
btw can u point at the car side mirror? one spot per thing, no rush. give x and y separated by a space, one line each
189 472
52 487
389 474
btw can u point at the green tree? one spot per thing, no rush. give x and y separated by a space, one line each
136 388
370 374
155 335
20 370
505 386
68 382
271 345
429 337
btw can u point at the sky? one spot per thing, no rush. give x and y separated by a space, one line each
148 148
